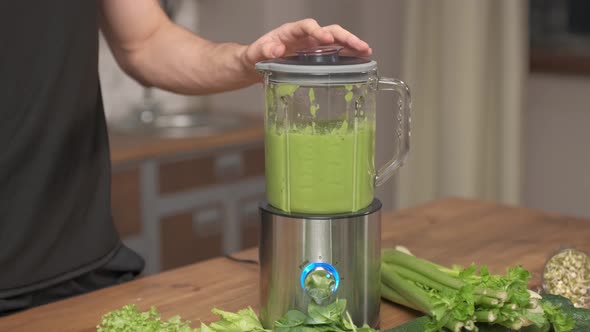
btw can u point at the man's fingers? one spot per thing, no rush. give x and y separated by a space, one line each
268 50
291 32
278 50
346 38
353 52
304 34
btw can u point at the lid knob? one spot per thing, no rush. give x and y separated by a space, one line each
319 55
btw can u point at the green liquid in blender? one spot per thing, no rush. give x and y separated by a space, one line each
315 171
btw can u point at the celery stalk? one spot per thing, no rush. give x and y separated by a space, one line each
388 293
487 301
426 269
419 278
408 290
485 316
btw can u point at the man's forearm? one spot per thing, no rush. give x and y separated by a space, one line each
156 52
175 59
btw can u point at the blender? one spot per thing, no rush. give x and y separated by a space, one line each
320 226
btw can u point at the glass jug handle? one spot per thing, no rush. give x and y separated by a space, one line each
403 128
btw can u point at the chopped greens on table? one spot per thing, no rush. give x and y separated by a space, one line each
130 319
332 317
455 299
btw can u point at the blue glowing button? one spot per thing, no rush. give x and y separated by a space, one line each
320 276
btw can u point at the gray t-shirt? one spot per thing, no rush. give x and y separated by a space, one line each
55 217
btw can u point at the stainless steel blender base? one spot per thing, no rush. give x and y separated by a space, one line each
346 249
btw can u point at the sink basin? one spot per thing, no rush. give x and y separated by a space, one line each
178 125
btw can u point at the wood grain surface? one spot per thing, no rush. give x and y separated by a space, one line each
449 231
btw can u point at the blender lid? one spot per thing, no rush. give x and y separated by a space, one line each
316 65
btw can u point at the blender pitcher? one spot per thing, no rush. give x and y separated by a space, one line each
320 131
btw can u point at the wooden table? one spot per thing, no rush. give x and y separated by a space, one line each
450 231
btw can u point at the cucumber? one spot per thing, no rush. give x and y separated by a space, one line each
416 325
580 316
558 300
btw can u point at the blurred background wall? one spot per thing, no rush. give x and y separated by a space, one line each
466 63
557 155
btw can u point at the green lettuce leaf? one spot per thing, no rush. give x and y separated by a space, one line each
558 319
130 319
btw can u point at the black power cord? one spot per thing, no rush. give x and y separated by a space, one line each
240 260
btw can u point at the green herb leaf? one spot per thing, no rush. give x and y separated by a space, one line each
320 286
331 313
467 273
558 319
537 318
243 321
292 318
129 318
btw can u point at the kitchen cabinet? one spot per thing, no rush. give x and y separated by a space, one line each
178 201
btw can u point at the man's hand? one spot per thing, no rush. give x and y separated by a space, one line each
300 35
156 52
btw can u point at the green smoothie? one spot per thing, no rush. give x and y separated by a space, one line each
319 171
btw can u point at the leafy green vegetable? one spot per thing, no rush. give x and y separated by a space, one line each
460 298
330 313
130 319
244 320
292 318
581 318
332 317
559 320
320 286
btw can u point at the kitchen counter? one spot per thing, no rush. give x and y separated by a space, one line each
449 231
134 146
